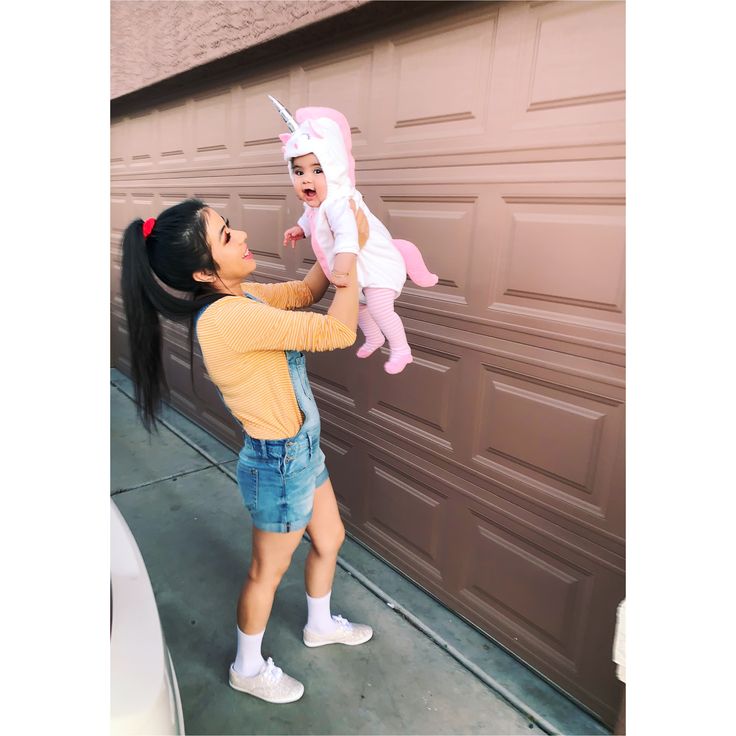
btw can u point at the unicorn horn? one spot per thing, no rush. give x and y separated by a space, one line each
291 124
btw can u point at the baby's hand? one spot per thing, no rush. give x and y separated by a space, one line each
292 235
339 278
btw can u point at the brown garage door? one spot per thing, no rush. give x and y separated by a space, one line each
492 470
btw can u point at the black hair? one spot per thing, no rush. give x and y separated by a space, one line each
154 268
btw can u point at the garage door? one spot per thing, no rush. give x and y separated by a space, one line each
491 471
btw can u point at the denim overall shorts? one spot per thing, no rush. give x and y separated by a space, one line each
277 478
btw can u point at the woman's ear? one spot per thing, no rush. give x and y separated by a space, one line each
204 276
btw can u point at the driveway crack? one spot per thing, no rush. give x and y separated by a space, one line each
173 476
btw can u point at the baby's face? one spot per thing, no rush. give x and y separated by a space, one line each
310 182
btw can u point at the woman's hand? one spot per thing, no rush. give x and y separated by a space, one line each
292 235
344 263
339 279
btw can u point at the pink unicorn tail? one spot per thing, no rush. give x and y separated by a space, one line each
415 266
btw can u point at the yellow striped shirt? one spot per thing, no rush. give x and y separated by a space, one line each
243 345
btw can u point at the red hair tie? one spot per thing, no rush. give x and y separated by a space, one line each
148 226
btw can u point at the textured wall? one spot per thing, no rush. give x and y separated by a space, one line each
155 39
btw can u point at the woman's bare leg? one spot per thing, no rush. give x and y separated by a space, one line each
327 533
271 557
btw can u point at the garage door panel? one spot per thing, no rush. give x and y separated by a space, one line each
116 259
119 338
563 256
172 140
407 515
578 55
343 460
264 216
333 380
183 402
565 78
119 211
536 596
401 400
211 412
506 577
140 150
551 443
212 125
178 371
454 58
441 228
118 146
258 137
142 204
222 426
557 438
346 80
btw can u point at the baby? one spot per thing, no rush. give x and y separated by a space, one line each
344 232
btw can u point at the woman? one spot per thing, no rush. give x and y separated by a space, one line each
251 346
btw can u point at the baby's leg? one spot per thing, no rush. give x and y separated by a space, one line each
373 335
380 303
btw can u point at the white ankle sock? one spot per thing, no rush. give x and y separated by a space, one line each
319 619
248 660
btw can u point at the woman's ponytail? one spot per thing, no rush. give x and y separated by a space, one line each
155 267
144 328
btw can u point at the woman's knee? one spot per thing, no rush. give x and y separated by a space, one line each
328 544
268 573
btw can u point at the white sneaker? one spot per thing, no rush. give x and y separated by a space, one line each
344 633
269 684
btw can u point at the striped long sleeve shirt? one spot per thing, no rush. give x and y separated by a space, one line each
243 344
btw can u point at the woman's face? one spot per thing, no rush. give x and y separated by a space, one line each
229 251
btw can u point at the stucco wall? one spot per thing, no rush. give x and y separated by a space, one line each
151 40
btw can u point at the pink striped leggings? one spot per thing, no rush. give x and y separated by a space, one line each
377 319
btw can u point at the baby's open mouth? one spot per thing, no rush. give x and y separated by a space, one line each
309 192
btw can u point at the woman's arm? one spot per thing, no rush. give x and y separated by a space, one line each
245 325
317 282
344 305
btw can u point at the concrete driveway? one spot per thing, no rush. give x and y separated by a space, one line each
177 492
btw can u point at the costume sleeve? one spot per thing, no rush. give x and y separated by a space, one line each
288 295
303 223
344 228
246 325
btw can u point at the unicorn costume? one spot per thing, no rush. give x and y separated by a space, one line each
343 224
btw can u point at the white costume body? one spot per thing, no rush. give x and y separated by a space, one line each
379 263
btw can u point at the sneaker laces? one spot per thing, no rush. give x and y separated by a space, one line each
343 623
272 673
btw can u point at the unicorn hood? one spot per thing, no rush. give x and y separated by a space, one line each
325 133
